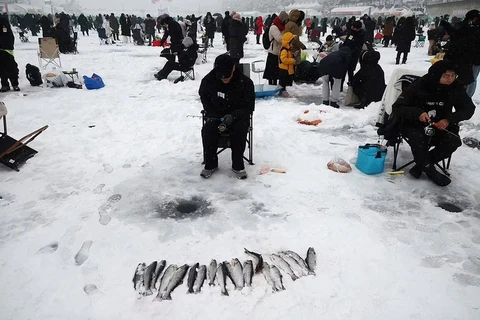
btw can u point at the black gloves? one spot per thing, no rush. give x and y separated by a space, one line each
227 119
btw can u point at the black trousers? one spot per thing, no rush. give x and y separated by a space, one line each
444 144
386 40
8 69
168 68
258 38
238 140
227 42
405 56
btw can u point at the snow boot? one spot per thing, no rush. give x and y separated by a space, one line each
416 171
207 173
334 104
240 174
5 89
438 178
16 88
326 102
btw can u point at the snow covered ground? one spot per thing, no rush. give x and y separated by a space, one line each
114 162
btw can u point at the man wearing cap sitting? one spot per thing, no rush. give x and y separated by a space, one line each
186 60
228 98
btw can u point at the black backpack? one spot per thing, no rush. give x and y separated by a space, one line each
33 75
266 38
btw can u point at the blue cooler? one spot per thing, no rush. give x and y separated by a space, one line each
371 158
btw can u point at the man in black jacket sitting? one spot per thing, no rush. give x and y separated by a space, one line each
425 108
186 59
228 99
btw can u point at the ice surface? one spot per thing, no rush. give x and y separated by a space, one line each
115 164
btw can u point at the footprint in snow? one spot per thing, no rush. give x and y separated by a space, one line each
49 248
84 252
106 208
108 168
127 165
90 289
99 188
466 279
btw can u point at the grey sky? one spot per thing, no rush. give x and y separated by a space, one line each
174 5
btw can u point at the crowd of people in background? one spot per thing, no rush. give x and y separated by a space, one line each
279 32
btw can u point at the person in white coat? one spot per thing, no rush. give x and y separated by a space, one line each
275 35
106 26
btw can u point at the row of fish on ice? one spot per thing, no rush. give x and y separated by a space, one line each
146 278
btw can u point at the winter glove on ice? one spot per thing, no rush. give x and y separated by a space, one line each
227 119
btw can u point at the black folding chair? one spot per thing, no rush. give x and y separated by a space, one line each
186 74
444 165
224 140
102 36
14 153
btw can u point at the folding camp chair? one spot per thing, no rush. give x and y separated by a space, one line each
399 81
419 41
185 74
14 153
224 140
48 52
102 36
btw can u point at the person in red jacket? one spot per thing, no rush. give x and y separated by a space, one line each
259 25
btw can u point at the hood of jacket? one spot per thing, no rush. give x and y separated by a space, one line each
286 39
283 16
294 15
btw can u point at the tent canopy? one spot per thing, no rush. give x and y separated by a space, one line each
351 11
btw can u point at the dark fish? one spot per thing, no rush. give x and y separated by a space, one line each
311 260
158 272
248 272
229 272
138 277
212 272
201 276
192 276
221 278
148 278
176 280
276 277
257 258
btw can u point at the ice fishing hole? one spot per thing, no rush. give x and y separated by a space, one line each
179 209
450 207
187 207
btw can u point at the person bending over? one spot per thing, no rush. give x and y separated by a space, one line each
228 99
425 108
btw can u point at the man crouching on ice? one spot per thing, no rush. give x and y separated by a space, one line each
228 98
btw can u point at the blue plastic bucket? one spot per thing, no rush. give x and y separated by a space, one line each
371 158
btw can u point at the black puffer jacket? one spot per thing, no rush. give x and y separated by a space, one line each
238 36
335 64
427 94
150 24
461 48
369 81
355 41
236 98
7 38
188 56
176 35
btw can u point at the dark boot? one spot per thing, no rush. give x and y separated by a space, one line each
326 102
334 104
5 89
416 171
438 178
